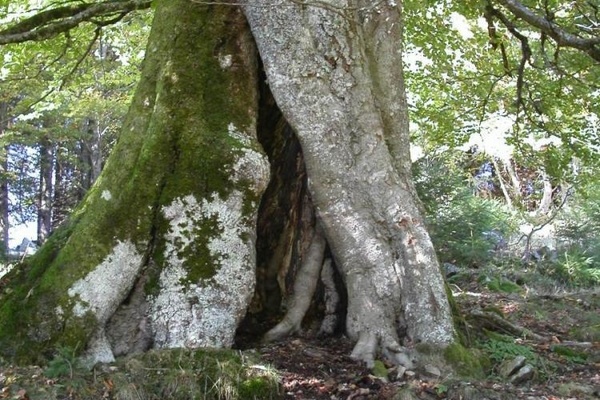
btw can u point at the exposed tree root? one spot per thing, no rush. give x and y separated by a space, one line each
332 299
365 348
495 322
304 289
368 344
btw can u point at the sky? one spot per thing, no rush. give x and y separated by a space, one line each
19 232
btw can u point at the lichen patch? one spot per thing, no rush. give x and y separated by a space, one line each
104 288
251 166
204 313
106 195
225 61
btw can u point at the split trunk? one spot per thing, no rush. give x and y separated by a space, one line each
162 252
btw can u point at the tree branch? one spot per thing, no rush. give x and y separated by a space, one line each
50 23
590 46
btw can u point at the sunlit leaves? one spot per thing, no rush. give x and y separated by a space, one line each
57 87
463 69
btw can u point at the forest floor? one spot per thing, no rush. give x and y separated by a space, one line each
565 356
566 361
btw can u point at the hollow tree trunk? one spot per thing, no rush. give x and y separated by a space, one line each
162 250
161 253
335 72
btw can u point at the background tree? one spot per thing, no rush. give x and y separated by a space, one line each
520 85
67 99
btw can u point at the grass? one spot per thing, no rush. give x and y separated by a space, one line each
175 374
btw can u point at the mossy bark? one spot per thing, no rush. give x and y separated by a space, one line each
172 214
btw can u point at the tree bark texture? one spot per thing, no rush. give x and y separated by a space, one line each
161 253
335 70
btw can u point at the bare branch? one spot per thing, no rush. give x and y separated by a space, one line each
50 23
591 46
87 51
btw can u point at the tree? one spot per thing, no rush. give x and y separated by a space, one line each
494 73
334 73
170 225
4 197
161 251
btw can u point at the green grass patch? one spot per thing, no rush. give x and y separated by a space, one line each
195 374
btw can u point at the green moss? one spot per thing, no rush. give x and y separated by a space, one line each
467 362
570 354
460 324
205 374
28 311
501 285
379 370
494 309
175 142
498 336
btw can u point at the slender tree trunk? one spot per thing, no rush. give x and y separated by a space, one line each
96 157
45 190
91 157
511 168
546 201
84 158
4 193
336 74
170 224
59 195
4 200
503 186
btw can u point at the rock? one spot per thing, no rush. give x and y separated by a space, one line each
450 269
397 373
431 371
410 374
523 375
496 238
509 367
405 394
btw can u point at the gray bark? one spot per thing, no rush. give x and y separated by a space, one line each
91 152
546 201
335 72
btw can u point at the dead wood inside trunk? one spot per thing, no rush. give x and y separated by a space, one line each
285 226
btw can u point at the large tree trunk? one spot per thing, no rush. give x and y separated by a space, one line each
335 70
161 253
162 250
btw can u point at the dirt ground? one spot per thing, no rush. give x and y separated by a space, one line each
321 369
566 357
